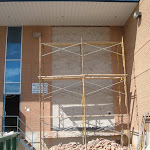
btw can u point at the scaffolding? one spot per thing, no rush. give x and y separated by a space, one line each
84 78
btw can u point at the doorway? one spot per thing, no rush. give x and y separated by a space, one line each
11 110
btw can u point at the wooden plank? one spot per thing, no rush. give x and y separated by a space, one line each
70 44
103 78
86 76
80 116
64 77
63 134
90 75
125 89
106 75
76 78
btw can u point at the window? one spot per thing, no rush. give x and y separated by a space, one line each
13 61
14 43
12 71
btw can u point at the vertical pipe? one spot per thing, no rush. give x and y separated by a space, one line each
32 140
17 123
125 89
2 124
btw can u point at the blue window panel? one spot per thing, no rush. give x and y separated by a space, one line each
12 88
14 43
12 73
13 51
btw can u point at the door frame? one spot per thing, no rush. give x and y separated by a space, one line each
4 104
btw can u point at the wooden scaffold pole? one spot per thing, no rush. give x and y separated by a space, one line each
43 108
83 94
119 94
82 77
125 90
40 67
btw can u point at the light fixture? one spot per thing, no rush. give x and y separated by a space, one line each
27 109
137 15
36 34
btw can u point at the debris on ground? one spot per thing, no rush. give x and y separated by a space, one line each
98 144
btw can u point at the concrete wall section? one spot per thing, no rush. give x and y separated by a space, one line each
69 102
3 33
137 45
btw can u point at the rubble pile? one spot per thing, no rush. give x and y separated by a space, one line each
98 144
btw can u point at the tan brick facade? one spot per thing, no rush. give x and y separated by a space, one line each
30 72
137 48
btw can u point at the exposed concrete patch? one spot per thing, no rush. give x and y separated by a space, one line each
65 63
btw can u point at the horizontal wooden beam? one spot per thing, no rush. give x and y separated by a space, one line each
102 78
105 75
86 76
62 77
78 44
80 116
70 133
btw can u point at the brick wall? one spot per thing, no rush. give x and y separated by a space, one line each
30 72
137 48
136 37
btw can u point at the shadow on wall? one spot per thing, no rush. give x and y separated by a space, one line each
130 32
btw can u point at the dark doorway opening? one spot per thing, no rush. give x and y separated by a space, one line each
11 110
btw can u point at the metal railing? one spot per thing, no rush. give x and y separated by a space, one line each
18 129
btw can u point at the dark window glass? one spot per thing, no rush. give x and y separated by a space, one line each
12 71
14 43
12 88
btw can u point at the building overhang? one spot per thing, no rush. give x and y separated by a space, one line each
66 13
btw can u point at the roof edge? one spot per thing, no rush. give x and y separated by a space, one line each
70 0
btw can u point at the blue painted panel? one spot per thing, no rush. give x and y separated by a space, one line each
12 88
12 71
14 43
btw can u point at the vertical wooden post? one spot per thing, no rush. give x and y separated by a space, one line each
42 97
82 57
81 52
125 90
43 109
40 55
83 95
119 88
84 117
